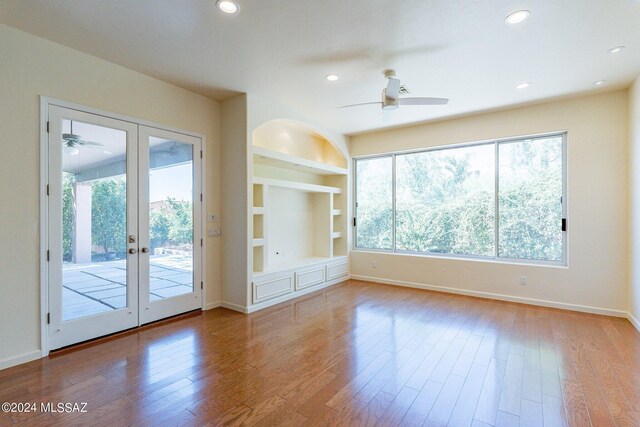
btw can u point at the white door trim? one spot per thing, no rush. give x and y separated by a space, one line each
45 102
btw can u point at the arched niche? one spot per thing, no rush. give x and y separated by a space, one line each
297 139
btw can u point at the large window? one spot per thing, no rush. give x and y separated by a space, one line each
501 199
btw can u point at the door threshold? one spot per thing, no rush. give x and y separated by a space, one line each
99 340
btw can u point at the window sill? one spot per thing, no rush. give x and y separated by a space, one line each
449 257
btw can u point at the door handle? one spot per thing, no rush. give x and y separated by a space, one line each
133 251
144 250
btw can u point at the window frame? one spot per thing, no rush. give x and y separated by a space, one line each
563 262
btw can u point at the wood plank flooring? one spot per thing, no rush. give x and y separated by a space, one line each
354 354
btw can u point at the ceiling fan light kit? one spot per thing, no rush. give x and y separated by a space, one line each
71 150
389 104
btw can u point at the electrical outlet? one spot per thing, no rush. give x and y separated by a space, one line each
214 232
374 264
523 280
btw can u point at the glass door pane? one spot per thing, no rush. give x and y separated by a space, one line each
94 219
170 218
170 236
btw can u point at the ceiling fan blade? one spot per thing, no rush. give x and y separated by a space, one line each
92 144
423 101
94 147
364 103
393 88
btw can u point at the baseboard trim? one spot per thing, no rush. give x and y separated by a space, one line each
212 305
234 307
20 359
500 297
634 321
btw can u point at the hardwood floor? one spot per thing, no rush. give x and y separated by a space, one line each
354 354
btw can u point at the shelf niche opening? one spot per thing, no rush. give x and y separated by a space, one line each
258 259
258 226
258 195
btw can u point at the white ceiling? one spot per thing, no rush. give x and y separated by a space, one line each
282 49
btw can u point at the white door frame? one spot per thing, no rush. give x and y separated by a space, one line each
45 102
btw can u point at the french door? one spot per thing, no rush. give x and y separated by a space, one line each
124 225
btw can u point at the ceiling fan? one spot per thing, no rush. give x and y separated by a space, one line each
391 96
73 143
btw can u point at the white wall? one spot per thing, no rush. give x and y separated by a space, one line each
634 177
30 67
597 275
234 210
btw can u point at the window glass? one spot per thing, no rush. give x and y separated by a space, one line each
374 208
446 201
530 196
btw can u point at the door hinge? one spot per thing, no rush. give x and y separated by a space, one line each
48 318
201 242
201 285
200 153
47 127
47 189
354 221
564 224
200 196
48 255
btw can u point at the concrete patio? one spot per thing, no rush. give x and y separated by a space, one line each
99 287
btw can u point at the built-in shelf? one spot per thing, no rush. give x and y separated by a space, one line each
299 184
295 185
267 157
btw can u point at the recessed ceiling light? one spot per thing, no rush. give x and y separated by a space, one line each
615 49
517 17
331 77
228 6
523 85
600 83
